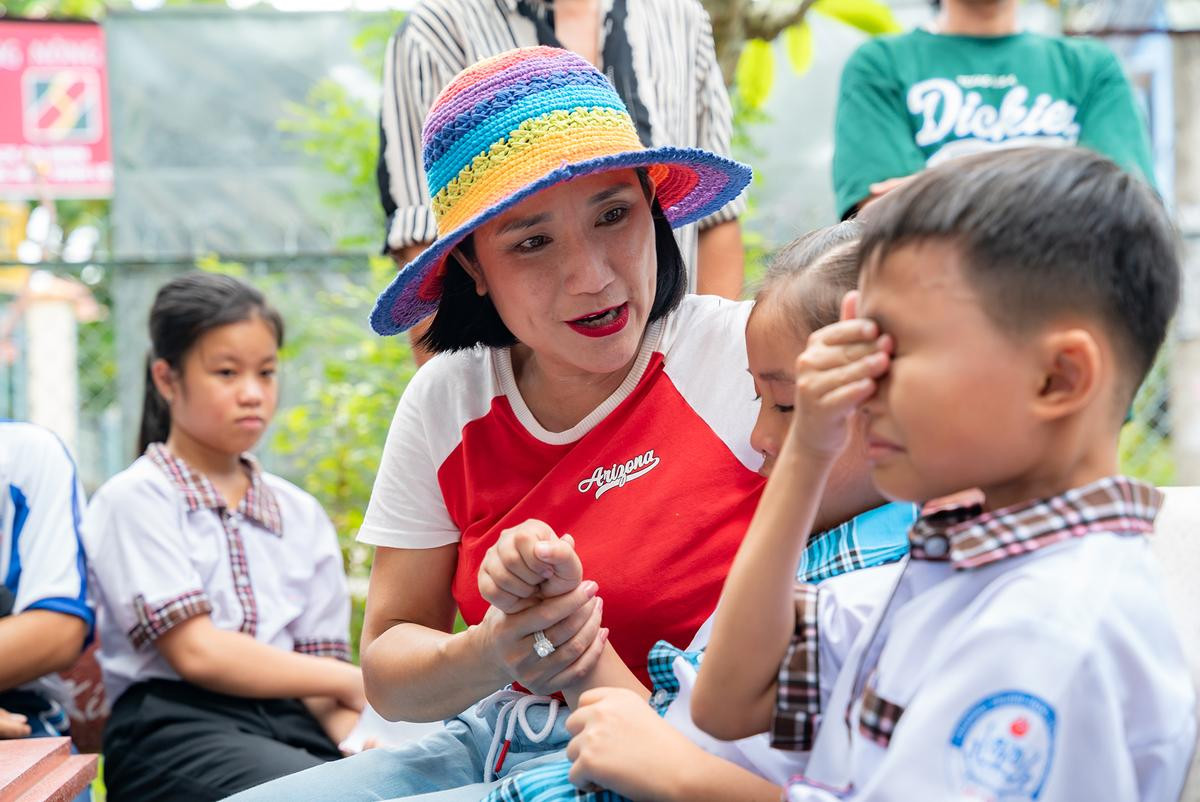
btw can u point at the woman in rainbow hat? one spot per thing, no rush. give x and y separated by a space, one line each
572 472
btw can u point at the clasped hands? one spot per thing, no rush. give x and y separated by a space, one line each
533 580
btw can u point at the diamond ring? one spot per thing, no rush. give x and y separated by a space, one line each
542 646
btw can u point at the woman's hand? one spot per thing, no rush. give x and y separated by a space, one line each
571 622
527 562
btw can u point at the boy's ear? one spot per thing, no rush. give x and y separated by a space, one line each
472 269
164 379
1071 369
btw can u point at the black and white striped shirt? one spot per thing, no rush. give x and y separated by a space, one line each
659 53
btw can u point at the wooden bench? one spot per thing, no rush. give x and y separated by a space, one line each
43 770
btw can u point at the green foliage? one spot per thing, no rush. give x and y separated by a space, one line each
38 9
798 40
869 16
340 132
333 439
755 73
1145 446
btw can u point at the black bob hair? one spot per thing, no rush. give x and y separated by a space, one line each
465 319
1044 233
186 308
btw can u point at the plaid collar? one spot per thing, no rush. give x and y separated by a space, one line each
968 537
259 503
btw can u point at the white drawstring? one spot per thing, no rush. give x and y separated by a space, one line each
513 704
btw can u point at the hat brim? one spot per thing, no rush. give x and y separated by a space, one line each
703 181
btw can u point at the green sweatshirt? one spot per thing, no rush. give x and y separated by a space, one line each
910 101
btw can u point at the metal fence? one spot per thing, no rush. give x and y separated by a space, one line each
339 381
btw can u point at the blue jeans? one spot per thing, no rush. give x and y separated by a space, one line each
450 759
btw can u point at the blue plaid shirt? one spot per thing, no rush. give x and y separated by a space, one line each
876 537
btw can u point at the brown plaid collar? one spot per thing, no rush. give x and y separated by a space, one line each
968 537
259 503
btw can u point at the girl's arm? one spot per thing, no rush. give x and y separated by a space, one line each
416 670
610 671
735 690
755 619
236 664
336 720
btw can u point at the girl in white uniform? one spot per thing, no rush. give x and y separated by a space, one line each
222 603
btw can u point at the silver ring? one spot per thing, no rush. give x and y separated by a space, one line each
542 646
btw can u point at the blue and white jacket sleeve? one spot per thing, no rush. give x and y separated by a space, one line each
46 566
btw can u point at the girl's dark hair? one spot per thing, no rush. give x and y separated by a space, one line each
465 319
184 309
809 277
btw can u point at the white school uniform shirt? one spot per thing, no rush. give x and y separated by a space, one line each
1024 654
42 563
861 592
166 548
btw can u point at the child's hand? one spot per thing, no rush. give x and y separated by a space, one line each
527 563
13 725
835 374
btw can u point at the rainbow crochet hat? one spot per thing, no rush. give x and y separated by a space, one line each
522 121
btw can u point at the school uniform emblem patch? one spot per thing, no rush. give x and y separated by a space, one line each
1003 747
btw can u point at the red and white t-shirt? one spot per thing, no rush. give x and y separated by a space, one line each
657 485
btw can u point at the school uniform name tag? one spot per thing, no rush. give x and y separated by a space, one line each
1003 747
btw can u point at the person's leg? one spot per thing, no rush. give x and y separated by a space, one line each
169 741
449 759
444 759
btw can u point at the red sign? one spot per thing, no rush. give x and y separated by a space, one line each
54 138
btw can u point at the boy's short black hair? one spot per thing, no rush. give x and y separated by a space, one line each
465 319
1046 232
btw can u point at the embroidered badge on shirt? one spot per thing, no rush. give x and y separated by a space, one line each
605 479
1003 747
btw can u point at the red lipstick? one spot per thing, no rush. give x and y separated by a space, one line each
602 323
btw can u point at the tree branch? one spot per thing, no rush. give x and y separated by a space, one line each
735 21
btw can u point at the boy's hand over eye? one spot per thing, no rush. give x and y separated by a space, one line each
527 563
835 374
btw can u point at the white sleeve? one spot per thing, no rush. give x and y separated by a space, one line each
407 510
1017 712
845 603
829 618
141 563
47 495
705 331
323 627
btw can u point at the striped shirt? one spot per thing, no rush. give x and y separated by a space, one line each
658 53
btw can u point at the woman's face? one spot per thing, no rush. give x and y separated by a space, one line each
572 272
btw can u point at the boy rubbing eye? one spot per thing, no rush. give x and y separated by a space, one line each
1013 303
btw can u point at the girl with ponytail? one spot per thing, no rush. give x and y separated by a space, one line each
222 603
